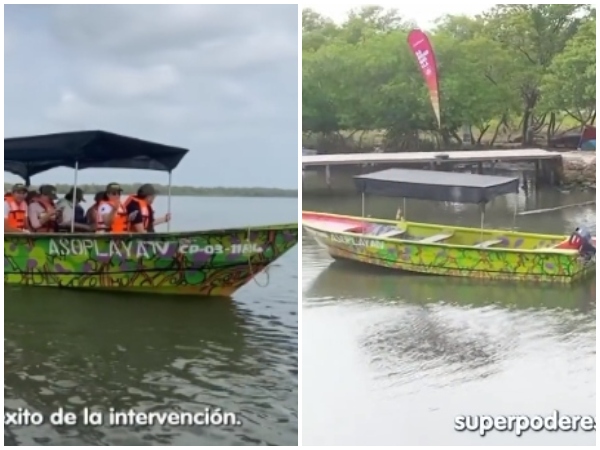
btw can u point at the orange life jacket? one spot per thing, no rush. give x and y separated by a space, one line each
144 211
17 215
120 223
51 225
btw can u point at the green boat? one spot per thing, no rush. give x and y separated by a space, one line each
449 250
198 263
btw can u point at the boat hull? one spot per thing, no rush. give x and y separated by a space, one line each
520 256
203 263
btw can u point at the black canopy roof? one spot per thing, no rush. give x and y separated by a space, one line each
438 186
28 156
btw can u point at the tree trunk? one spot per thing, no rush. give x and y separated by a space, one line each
446 138
525 127
551 127
482 132
531 97
458 138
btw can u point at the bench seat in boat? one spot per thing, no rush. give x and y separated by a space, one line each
435 238
392 233
566 251
386 231
490 243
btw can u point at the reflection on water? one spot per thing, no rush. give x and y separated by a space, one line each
500 212
76 349
347 280
392 357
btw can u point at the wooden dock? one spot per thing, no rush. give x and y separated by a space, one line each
547 164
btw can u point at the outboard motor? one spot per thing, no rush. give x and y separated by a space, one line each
581 239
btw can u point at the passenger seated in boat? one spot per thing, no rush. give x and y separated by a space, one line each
140 212
31 195
91 215
112 216
42 214
69 208
15 210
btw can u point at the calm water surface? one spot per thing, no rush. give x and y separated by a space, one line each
85 349
392 359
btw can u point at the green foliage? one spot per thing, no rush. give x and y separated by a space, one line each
570 83
190 191
515 62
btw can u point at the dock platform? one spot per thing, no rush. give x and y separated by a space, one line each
470 156
547 164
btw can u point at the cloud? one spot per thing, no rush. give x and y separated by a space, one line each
129 83
220 80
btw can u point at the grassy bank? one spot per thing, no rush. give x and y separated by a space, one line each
367 141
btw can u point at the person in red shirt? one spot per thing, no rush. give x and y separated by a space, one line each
91 215
42 212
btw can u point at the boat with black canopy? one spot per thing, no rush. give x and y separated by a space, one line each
200 263
449 250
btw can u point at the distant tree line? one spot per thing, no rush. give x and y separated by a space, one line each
523 69
184 190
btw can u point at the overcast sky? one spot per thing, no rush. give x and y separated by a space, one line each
423 13
219 80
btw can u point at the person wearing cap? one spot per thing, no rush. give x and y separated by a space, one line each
140 211
91 215
69 209
112 216
31 195
15 210
42 212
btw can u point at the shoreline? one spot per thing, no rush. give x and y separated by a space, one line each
185 191
579 170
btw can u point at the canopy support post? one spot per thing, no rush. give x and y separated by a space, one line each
482 217
363 204
75 180
169 200
400 212
516 212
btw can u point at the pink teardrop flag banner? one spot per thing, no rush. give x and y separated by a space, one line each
423 51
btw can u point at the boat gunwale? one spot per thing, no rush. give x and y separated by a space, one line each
184 234
565 252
